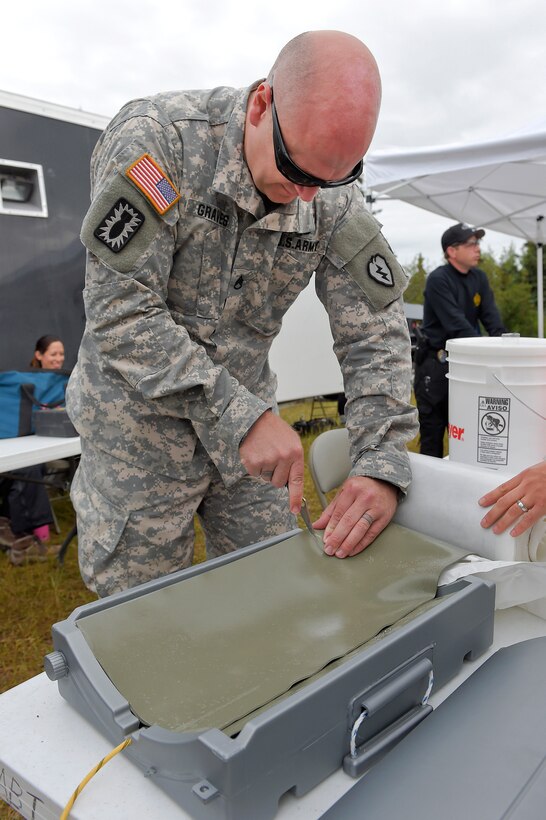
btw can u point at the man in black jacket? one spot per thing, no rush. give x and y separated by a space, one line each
457 298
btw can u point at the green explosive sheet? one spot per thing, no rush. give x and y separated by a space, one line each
215 647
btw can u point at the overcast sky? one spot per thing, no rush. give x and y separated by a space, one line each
453 72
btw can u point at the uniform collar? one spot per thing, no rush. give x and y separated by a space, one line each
459 272
233 179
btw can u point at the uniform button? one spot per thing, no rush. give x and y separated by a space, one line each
238 284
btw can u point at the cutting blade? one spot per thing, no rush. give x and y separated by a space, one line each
307 521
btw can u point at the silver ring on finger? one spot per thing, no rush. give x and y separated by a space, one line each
522 506
267 475
367 517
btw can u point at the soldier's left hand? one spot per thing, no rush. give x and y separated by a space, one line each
361 509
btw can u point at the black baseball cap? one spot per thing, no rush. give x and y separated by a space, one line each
459 233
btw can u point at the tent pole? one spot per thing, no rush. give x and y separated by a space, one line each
540 278
540 290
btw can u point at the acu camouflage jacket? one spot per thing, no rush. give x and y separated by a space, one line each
187 281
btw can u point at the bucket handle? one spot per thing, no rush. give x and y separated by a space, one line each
518 399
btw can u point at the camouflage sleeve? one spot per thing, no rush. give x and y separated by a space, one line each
361 284
131 242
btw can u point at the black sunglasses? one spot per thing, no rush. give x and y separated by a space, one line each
293 172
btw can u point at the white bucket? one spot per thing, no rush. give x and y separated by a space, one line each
497 401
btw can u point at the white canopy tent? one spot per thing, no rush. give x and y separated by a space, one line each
499 184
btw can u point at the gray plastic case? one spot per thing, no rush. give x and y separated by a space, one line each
482 753
300 740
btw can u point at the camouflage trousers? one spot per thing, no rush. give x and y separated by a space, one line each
134 525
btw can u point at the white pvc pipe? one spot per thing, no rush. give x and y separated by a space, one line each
442 502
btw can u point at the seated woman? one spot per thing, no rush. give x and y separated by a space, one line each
24 502
48 353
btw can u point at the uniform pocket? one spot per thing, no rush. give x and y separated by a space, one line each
100 523
431 384
120 228
196 278
265 298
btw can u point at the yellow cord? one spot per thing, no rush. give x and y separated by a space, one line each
91 774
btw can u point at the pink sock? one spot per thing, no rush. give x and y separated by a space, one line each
42 532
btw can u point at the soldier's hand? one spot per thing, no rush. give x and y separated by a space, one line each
272 451
360 511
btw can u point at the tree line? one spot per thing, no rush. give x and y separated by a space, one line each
513 278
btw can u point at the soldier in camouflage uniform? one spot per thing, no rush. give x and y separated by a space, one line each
201 233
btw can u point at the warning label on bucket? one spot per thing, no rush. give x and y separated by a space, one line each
493 426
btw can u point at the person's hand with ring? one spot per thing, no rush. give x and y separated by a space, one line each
520 501
360 511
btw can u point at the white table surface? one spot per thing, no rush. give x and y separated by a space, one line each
46 749
25 451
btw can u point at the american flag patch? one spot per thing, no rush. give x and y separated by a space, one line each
153 182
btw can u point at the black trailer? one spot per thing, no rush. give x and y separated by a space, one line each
45 150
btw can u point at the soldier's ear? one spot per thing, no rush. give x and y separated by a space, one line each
258 104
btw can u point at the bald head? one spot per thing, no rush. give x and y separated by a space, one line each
314 117
327 85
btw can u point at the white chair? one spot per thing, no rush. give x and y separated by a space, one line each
329 461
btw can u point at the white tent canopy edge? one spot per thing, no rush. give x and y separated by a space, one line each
497 184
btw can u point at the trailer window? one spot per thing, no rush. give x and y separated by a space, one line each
22 189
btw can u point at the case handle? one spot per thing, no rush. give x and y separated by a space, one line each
361 758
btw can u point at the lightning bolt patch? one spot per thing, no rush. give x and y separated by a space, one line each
380 271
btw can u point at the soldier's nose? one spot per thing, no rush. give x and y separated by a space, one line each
306 193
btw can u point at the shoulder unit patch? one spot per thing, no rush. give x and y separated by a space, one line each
119 225
154 183
379 270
